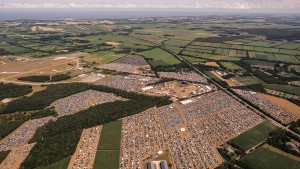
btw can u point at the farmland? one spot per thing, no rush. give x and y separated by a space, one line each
158 57
254 136
108 150
249 80
263 158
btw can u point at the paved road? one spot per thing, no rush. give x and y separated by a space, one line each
222 88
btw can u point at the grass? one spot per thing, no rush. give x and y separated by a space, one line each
259 62
254 136
159 57
249 80
106 56
110 136
62 164
231 66
107 160
193 59
263 158
284 88
108 150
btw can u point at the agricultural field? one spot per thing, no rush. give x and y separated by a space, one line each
263 158
295 90
254 136
158 57
108 150
231 66
249 80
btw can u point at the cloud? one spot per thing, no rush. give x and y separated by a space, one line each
198 4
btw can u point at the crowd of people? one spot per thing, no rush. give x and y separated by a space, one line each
272 109
129 63
185 76
128 83
83 100
16 156
190 132
86 149
22 134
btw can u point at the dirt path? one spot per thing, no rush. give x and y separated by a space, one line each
289 106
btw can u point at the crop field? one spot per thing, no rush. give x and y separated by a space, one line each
249 80
159 57
263 158
108 150
231 66
107 160
107 56
193 59
259 62
110 136
254 136
284 88
62 164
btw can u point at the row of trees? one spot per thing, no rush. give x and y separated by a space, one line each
280 139
46 78
58 139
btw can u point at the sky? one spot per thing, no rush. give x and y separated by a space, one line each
197 4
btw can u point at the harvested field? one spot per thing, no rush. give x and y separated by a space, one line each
80 101
287 105
215 64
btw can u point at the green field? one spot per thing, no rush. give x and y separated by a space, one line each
254 136
284 88
193 59
249 80
108 150
107 160
231 66
107 57
159 57
62 164
259 62
263 158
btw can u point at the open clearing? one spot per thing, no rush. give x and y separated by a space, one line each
263 158
289 106
159 57
108 150
254 136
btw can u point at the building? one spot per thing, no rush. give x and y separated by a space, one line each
150 165
164 164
